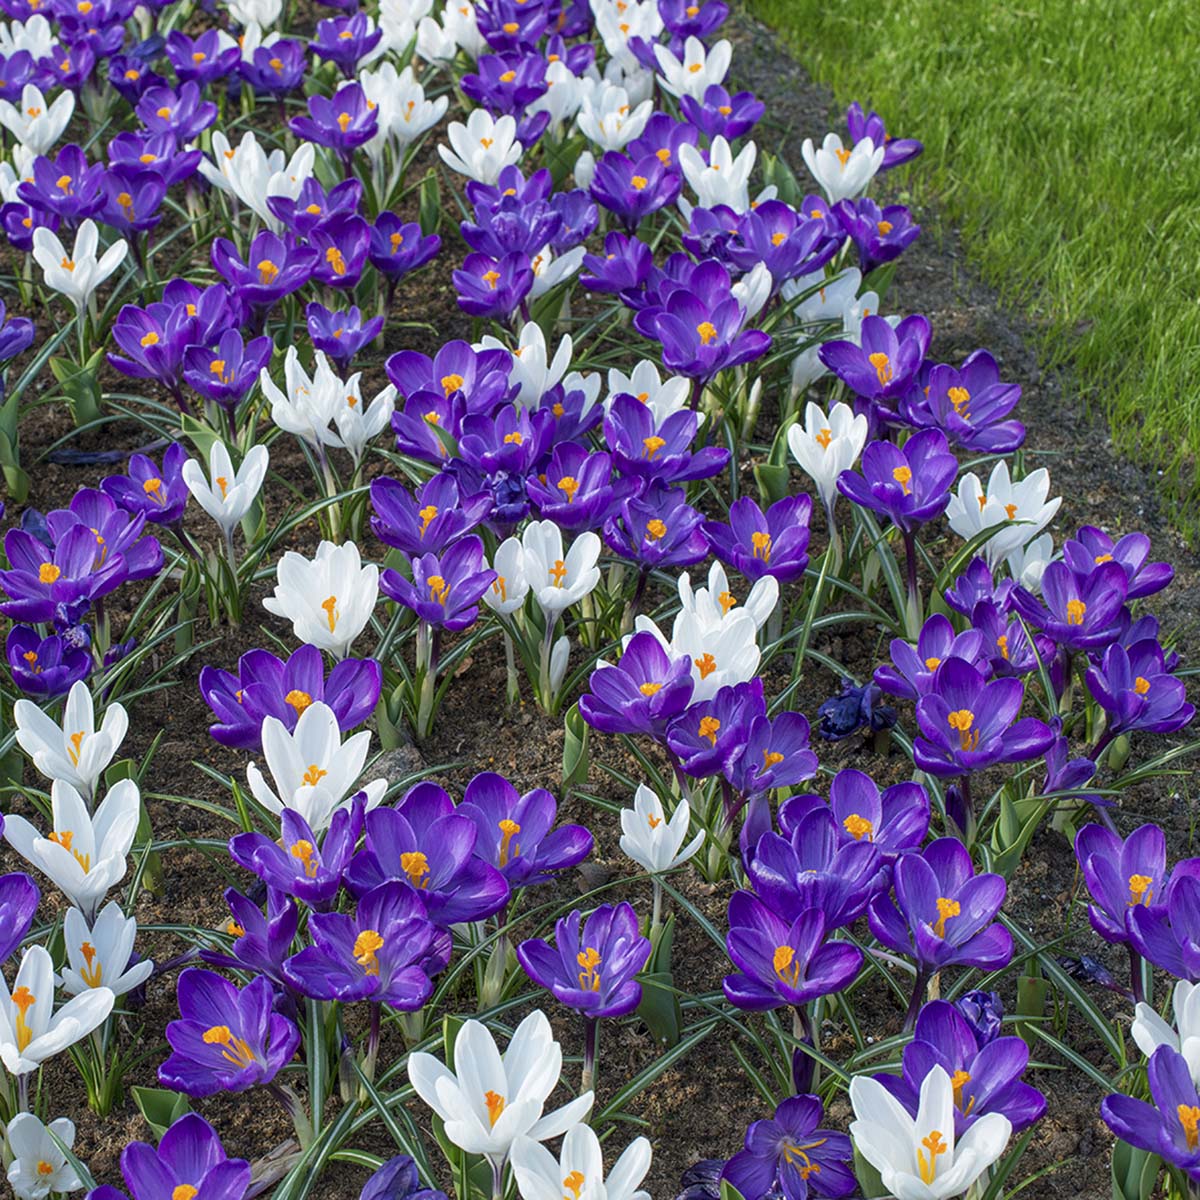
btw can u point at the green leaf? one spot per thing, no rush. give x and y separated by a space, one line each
868 1178
729 1192
772 482
575 750
429 209
160 1106
1135 1172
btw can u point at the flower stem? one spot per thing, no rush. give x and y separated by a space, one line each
918 998
293 1106
656 914
497 1178
510 664
1136 984
591 1038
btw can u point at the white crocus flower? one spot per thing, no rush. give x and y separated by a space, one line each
579 1171
404 113
434 43
653 842
826 445
587 382
314 771
559 580
662 396
38 1165
722 655
306 404
19 171
1150 1031
562 97
99 956
626 72
230 494
723 179
826 306
920 1159
617 21
252 175
489 1101
83 855
584 170
30 1030
253 38
483 147
1027 564
549 269
534 371
78 274
699 70
462 25
36 35
263 13
560 654
75 751
609 119
713 606
1018 512
510 587
842 173
753 291
36 124
399 20
357 423
328 599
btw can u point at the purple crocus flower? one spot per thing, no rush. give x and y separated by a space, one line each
130 201
1166 933
701 337
852 709
276 69
870 125
517 834
226 1040
226 372
16 70
189 1160
783 962
786 243
1078 613
580 219
576 491
341 244
478 378
134 154
756 543
130 78
814 868
67 185
272 269
909 485
427 521
693 18
969 404
663 136
42 579
642 693
19 897
385 953
911 672
298 863
45 666
16 335
1091 548
260 943
398 247
494 288
445 589
70 67
1137 691
514 439
313 205
342 122
662 452
632 190
346 41
397 1179
266 686
943 914
211 56
879 234
340 335
184 114
19 222
657 529
968 722
507 82
882 367
1008 648
776 755
976 585
986 1076
427 428
425 843
710 735
1123 875
591 969
115 533
718 114
983 1012
895 820
621 270
1168 1127
790 1154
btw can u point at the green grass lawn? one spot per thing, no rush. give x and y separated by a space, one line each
1063 136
